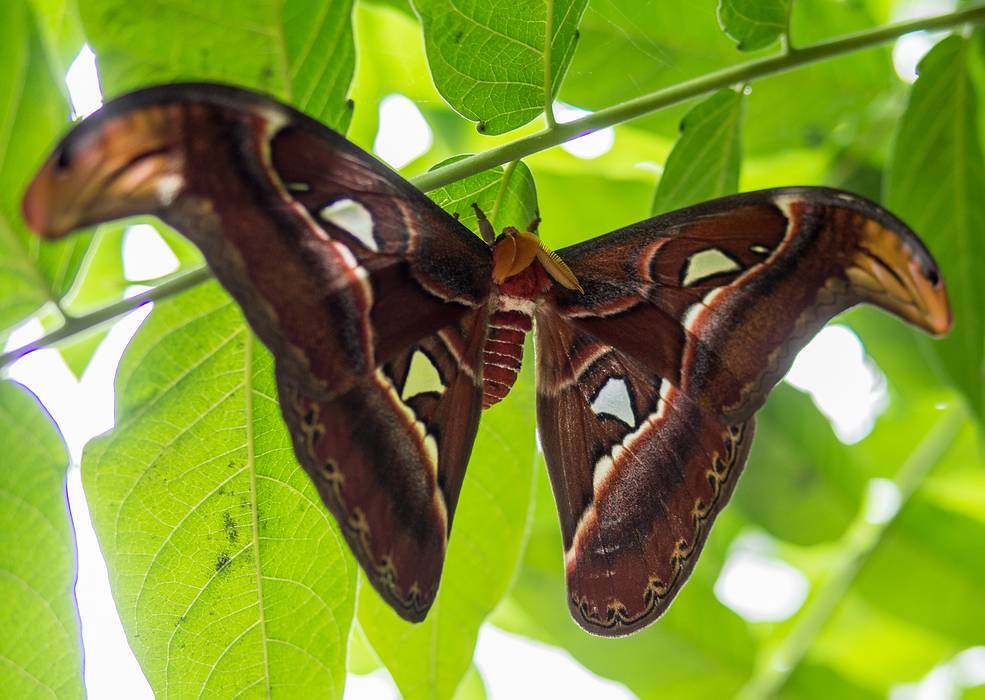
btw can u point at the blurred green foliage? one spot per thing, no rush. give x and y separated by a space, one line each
230 576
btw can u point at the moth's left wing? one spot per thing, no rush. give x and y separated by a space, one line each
346 272
648 381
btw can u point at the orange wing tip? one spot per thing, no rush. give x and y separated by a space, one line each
889 273
107 168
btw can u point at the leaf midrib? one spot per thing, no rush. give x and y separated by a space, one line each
254 515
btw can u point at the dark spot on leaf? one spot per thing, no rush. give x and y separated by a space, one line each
267 72
229 525
813 136
458 36
221 561
350 104
480 127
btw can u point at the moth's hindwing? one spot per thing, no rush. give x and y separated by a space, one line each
388 457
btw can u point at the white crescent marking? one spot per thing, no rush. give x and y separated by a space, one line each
168 188
613 400
353 218
707 263
422 377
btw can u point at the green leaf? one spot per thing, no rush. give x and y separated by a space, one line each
362 659
507 196
811 681
628 48
754 24
935 183
796 458
932 544
33 113
61 28
705 161
298 50
229 574
487 58
41 646
472 687
430 659
577 207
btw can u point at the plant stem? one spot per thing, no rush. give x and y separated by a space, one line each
75 325
557 134
639 106
857 544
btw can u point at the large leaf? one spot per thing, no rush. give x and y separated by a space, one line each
705 161
507 196
298 50
487 57
796 458
229 573
33 113
41 646
932 544
935 183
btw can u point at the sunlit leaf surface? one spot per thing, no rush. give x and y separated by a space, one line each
40 647
488 57
935 183
705 161
33 114
229 574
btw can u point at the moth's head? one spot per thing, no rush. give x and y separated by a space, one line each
514 251
116 163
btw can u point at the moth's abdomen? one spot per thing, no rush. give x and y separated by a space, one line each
503 353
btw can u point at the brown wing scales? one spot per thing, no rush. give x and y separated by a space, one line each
648 382
389 460
639 472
